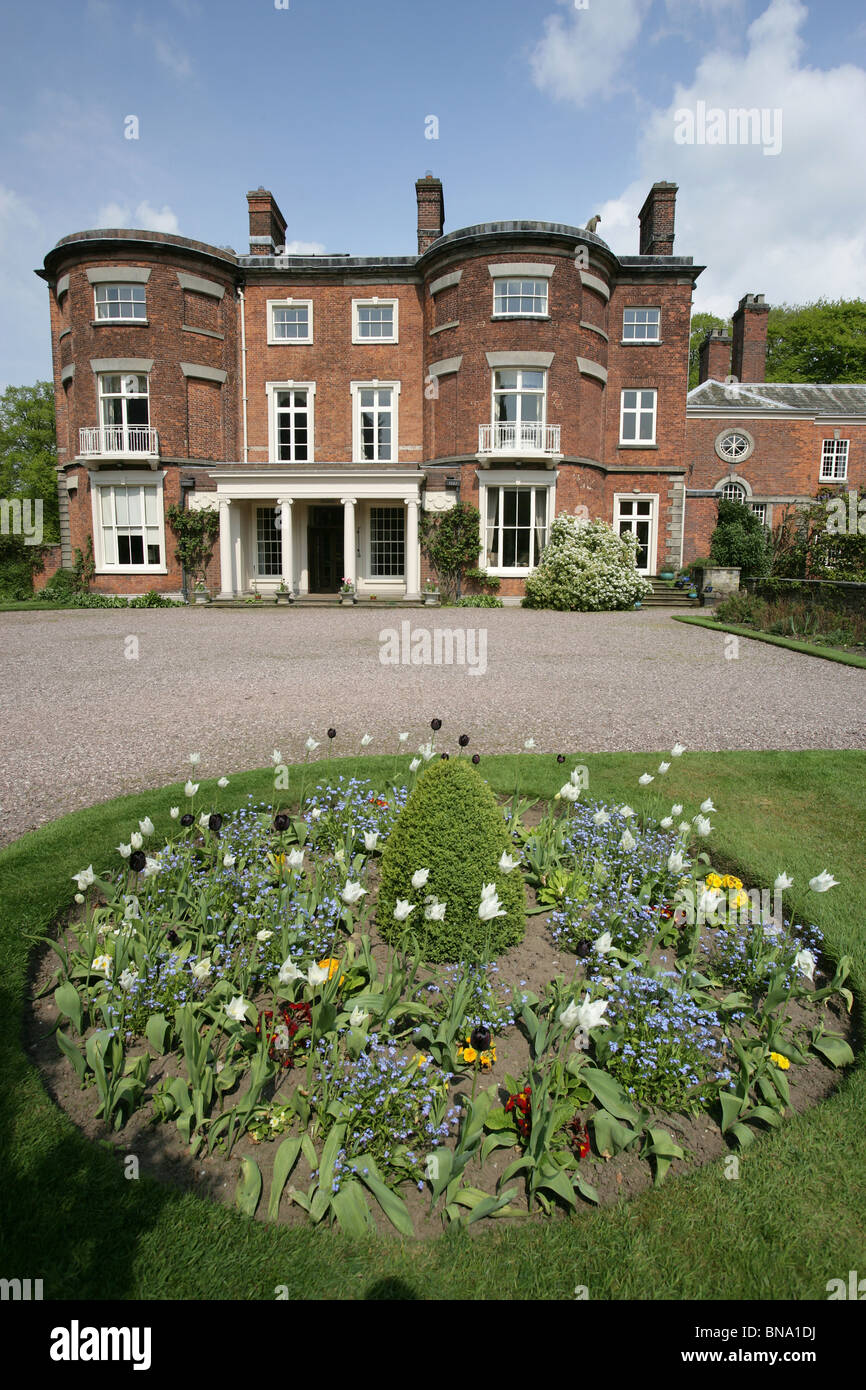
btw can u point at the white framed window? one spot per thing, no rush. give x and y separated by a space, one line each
518 296
516 521
291 421
641 325
733 492
834 459
387 542
734 446
760 510
374 416
124 412
128 523
520 398
637 422
290 321
120 302
269 544
374 320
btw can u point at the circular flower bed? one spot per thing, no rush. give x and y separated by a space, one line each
229 983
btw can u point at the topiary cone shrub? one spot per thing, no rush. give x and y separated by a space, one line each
453 826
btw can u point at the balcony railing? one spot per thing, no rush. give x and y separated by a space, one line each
128 441
518 437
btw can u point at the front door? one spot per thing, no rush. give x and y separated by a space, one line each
325 549
637 514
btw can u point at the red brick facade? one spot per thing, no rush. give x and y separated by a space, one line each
215 374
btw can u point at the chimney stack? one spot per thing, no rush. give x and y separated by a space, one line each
657 220
749 356
431 211
714 360
267 224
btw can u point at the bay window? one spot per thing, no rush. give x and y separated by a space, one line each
516 526
128 524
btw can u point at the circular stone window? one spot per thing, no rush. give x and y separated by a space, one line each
734 445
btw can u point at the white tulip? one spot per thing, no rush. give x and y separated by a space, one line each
488 890
289 972
174 812
823 883
315 813
190 789
601 818
506 863
311 745
782 882
317 975
415 764
702 825
371 838
404 738
569 792
677 810
663 767
195 759
805 962
264 935
603 944
435 911
707 806
678 750
202 968
136 840
645 779
223 782
124 851
352 892
229 861
146 826
368 738
85 877
128 977
237 1009
152 867
626 812
420 877
491 907
296 858
666 822
357 1017
676 863
203 820
590 1015
569 1016
628 841
403 908
529 743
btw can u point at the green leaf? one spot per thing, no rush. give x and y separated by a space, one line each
249 1188
743 1135
352 1212
493 1206
610 1135
74 1054
156 1032
609 1093
284 1161
68 1001
559 1183
765 1113
586 1189
393 1206
732 1108
835 1049
497 1119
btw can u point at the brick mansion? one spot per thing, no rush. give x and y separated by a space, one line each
320 402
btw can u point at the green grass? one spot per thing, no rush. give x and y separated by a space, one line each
795 1218
792 643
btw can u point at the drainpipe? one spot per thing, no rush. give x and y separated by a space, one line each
244 372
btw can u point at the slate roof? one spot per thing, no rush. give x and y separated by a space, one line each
775 396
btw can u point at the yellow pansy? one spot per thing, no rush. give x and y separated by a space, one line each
332 966
781 1062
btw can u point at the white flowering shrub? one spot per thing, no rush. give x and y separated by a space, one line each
586 567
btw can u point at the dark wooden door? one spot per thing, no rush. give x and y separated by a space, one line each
325 549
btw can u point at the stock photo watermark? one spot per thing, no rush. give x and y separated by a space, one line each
22 517
738 125
846 517
443 646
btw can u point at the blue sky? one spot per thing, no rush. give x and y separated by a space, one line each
546 109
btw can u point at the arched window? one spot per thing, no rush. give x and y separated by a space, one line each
733 492
734 446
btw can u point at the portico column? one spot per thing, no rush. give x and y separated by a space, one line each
413 557
288 560
226 578
349 568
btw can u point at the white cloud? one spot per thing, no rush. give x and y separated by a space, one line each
304 248
791 225
143 217
166 53
580 58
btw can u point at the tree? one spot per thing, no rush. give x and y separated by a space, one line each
740 539
820 342
823 539
451 541
28 473
196 532
700 326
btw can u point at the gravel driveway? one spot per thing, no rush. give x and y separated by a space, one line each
101 702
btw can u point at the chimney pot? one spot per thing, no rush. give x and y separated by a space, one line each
267 224
431 211
657 220
749 355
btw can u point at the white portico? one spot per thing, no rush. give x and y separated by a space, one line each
309 530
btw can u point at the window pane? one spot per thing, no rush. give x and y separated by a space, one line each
121 504
387 541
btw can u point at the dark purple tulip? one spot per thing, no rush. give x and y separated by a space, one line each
435 725
444 757
137 860
332 733
560 757
480 1039
476 758
463 740
172 937
583 949
214 822
187 819
281 822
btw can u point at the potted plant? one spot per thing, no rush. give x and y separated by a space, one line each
347 591
257 598
430 594
283 592
202 593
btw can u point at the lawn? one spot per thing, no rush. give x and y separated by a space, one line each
794 1219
